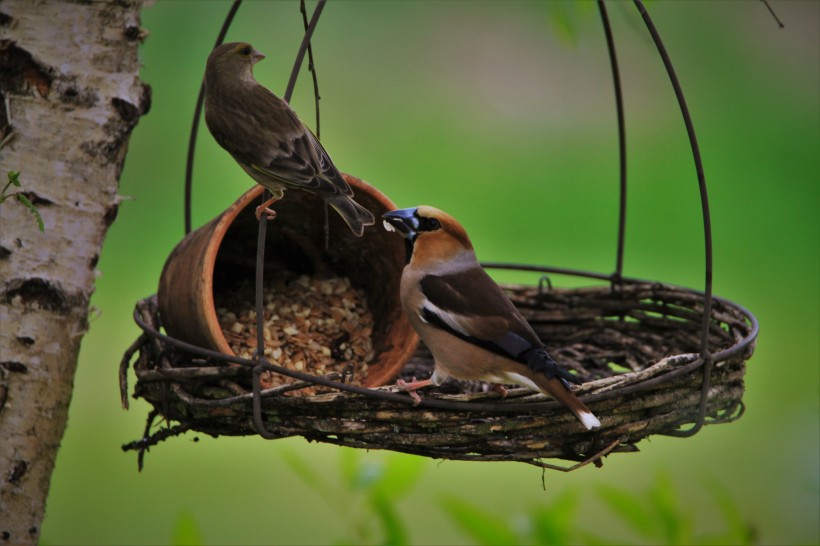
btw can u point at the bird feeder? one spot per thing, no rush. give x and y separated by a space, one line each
655 358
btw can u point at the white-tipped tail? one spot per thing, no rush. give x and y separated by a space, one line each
588 420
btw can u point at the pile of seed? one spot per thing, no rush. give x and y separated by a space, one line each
312 325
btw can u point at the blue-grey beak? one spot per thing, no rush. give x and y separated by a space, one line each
405 221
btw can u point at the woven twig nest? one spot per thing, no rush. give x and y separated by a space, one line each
634 344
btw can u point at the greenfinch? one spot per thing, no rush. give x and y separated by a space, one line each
267 139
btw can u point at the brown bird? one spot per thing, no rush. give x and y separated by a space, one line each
267 139
466 320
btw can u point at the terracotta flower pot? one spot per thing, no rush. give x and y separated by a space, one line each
223 251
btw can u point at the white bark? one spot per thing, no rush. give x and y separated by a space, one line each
69 73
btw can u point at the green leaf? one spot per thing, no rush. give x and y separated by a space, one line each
566 18
585 537
14 180
738 529
395 533
360 473
553 524
186 531
349 461
30 206
304 471
676 526
400 473
631 509
484 527
617 368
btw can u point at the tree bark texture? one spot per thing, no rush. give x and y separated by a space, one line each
70 95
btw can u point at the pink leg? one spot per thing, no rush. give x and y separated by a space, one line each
412 387
500 389
263 208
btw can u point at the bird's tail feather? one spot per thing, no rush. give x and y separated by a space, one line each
355 215
552 380
558 390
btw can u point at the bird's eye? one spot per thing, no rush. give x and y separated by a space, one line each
433 224
246 50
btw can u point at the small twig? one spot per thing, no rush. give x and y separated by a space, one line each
776 18
6 131
204 372
594 459
295 386
124 363
148 440
232 387
730 415
618 381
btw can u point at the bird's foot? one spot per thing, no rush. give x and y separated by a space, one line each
263 209
410 388
500 390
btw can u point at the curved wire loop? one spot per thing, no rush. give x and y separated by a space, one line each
189 164
706 360
707 221
619 107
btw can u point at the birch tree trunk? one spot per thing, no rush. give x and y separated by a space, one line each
70 95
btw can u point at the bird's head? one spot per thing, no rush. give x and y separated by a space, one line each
234 59
431 234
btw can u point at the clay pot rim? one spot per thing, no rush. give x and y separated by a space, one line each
226 220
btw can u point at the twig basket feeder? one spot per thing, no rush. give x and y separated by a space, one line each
653 357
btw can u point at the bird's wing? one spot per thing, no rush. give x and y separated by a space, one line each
470 305
299 160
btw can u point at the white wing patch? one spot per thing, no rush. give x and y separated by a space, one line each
518 379
449 319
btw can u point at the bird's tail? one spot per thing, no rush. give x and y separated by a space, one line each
553 381
355 215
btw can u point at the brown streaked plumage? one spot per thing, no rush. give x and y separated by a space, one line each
469 324
267 139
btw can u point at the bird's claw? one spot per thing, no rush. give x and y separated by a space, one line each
500 390
269 213
405 387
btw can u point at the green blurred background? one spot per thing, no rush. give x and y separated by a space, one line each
502 114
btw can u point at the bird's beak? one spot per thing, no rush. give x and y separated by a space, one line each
256 57
405 221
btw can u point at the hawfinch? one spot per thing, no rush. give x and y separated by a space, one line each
469 324
266 138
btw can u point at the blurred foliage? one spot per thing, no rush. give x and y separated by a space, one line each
186 531
565 18
654 516
365 493
657 516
